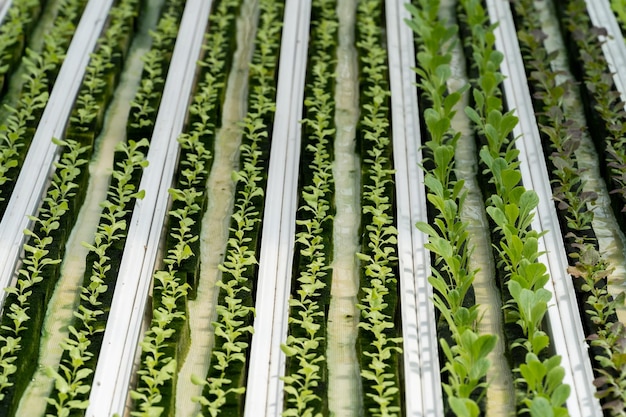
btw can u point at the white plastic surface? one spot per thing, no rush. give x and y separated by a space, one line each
32 182
4 8
614 47
422 377
264 395
121 337
567 334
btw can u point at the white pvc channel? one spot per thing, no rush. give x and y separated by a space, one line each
613 44
121 336
38 166
422 377
566 329
264 392
4 8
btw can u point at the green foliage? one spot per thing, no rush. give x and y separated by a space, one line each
170 287
545 392
467 365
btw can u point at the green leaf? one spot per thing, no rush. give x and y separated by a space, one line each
196 380
560 395
288 350
473 116
464 407
540 407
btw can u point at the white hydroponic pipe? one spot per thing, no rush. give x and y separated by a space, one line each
422 376
4 8
264 391
613 44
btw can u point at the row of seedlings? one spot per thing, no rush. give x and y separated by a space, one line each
145 104
464 351
165 344
73 378
224 386
46 243
306 376
15 33
605 332
538 375
379 340
604 108
103 72
41 67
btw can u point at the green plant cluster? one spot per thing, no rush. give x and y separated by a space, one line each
22 116
465 351
15 32
26 302
306 372
538 376
586 262
102 72
604 107
225 383
156 62
74 375
165 344
379 338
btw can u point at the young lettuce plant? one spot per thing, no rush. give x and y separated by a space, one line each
604 106
102 72
586 262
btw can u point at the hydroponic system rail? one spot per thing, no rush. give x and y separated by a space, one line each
278 298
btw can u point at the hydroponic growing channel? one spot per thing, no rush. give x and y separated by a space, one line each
312 208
